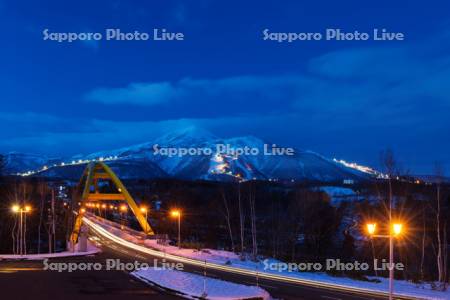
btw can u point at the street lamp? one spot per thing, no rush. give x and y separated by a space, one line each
177 214
144 210
123 208
394 231
22 211
104 209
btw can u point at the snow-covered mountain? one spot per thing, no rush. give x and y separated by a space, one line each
163 157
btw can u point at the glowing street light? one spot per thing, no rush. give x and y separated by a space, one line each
123 209
177 214
394 231
104 206
144 210
15 208
371 228
397 228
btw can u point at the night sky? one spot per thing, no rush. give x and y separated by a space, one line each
343 99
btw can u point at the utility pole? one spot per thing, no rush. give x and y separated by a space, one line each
177 214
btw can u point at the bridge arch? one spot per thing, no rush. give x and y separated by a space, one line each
94 172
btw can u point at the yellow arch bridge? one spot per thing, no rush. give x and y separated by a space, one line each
95 173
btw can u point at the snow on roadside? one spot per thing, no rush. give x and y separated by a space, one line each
221 257
193 286
91 249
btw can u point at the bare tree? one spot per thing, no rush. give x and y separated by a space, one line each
2 164
241 220
14 235
424 236
253 223
440 260
445 253
42 194
228 219
53 221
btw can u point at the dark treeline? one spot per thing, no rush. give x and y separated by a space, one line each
298 223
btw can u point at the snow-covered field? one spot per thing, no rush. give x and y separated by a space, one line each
92 249
192 285
339 194
226 258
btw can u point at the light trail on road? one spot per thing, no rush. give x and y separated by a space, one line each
234 270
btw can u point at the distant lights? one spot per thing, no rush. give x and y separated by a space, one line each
360 168
63 164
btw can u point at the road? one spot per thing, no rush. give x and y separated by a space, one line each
26 280
279 290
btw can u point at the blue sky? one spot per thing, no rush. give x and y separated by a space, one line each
346 99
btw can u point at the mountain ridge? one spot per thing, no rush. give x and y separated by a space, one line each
302 165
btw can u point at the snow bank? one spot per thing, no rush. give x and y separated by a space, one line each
194 286
226 258
92 249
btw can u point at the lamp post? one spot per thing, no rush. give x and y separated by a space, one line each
394 231
123 208
22 211
177 214
104 210
144 210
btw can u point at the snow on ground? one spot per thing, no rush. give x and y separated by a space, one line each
221 257
192 285
91 249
